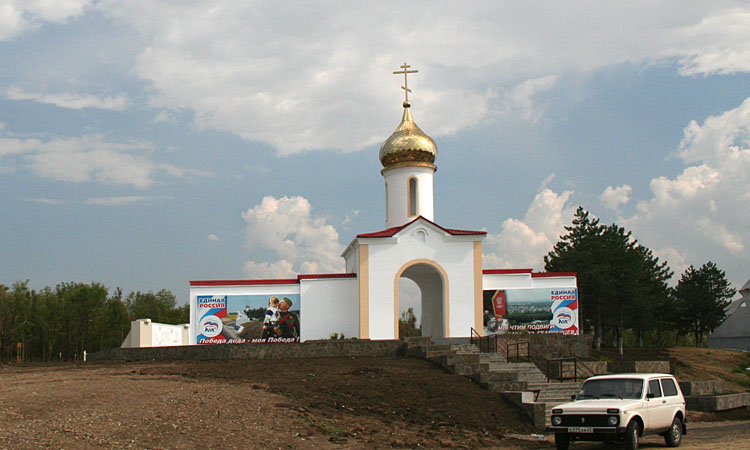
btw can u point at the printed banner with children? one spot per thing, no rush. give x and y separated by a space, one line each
240 319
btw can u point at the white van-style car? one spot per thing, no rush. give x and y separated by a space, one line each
622 407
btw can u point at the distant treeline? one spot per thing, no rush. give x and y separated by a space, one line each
61 323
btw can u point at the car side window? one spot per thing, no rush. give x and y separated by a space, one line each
670 390
654 388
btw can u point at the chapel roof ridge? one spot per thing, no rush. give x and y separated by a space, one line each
390 232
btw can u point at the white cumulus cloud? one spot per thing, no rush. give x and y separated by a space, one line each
523 243
718 44
287 228
520 100
88 158
274 72
18 15
612 198
703 213
274 270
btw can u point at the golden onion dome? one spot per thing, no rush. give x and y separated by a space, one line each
408 145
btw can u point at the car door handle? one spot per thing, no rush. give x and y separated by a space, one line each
664 401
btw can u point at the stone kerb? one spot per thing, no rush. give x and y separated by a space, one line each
310 349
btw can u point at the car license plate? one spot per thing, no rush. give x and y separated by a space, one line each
580 429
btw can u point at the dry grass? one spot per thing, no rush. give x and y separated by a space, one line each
708 363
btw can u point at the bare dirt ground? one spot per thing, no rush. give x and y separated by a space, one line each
346 403
301 403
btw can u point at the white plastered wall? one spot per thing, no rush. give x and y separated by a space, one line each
351 257
526 281
554 282
164 335
421 242
397 196
329 305
145 333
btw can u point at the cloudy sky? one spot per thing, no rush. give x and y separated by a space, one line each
146 143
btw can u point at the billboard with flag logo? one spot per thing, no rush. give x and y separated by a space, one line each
553 310
239 319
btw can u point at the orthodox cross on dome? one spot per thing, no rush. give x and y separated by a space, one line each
405 87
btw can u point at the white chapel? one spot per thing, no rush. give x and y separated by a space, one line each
457 294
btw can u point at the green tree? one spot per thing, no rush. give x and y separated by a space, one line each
702 296
46 326
654 309
620 282
407 324
159 307
577 252
74 317
112 323
82 306
15 311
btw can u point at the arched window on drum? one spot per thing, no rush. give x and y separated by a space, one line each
413 197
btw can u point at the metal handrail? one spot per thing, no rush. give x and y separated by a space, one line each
517 356
475 337
580 369
486 344
556 368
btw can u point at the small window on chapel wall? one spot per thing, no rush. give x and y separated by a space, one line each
413 196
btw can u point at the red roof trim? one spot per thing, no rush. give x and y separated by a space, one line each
392 231
243 282
384 233
272 281
455 232
505 271
552 274
326 275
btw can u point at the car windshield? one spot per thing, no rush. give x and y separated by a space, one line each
611 388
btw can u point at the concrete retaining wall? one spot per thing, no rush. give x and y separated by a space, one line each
718 402
707 387
550 345
309 349
640 367
569 370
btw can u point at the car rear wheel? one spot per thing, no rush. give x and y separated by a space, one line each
631 435
562 441
673 438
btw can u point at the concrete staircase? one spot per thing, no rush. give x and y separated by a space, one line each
522 382
554 394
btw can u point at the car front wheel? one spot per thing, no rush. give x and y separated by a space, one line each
631 435
673 438
562 441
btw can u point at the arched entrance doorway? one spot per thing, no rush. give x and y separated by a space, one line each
432 282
